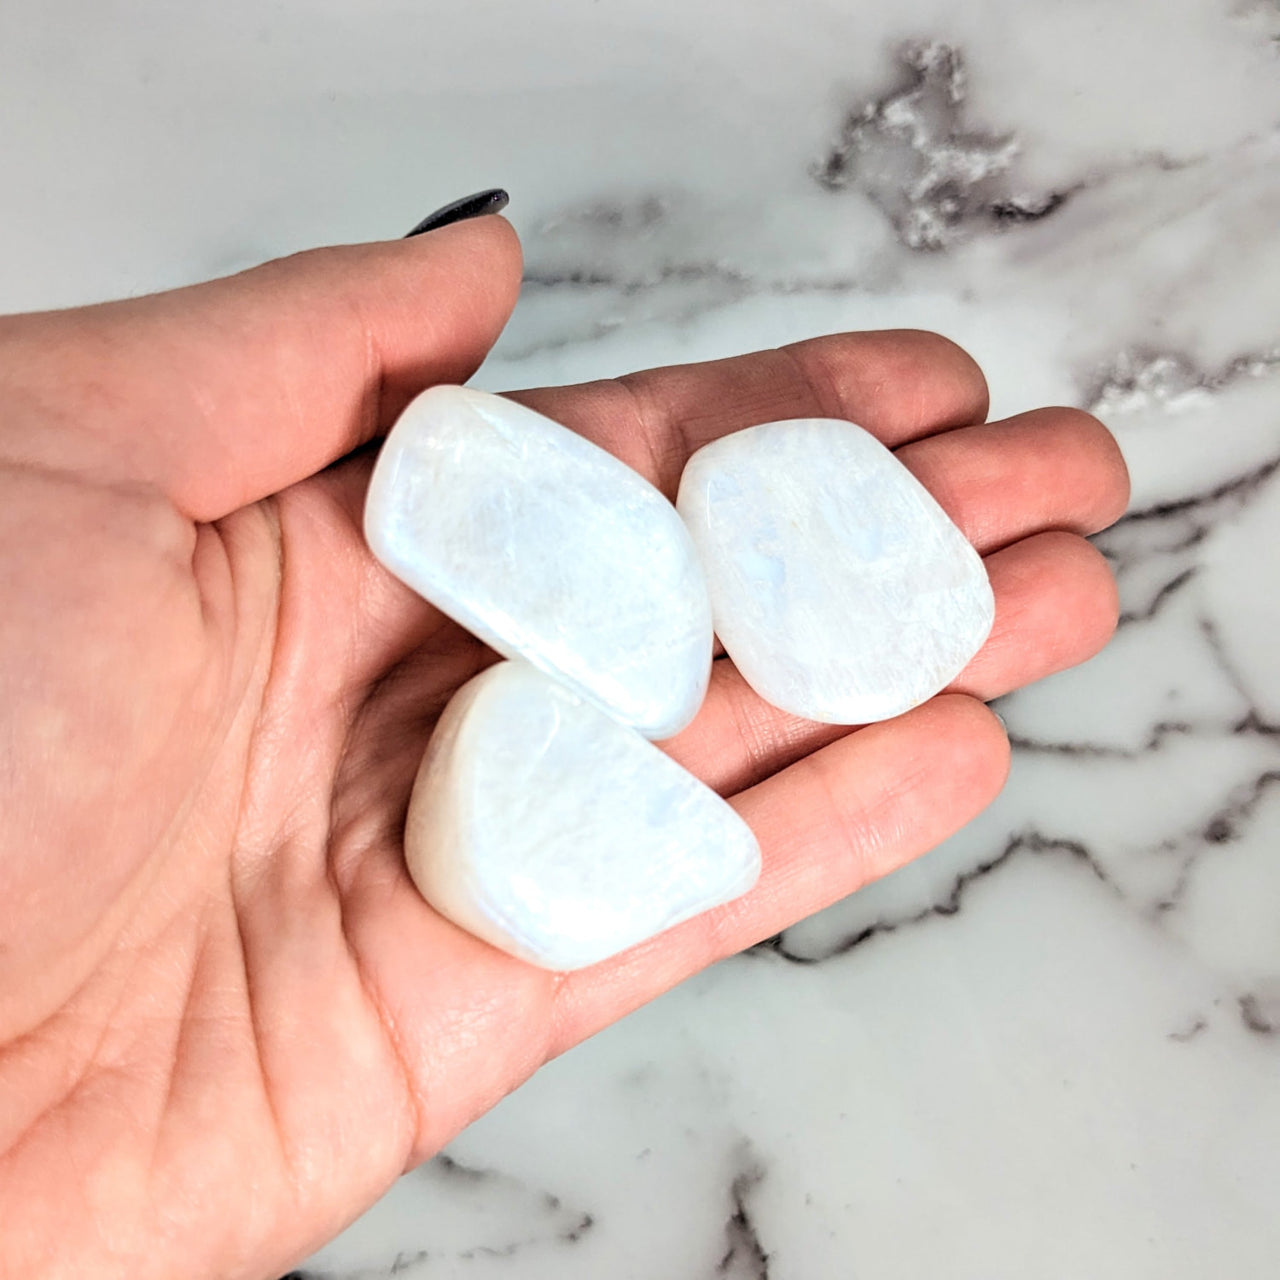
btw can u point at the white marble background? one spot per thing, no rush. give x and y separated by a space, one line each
1052 1048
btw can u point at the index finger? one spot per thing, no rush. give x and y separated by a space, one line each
900 385
222 393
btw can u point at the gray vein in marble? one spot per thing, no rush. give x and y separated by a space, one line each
1254 721
1265 15
1259 1016
1156 605
949 905
1258 1009
1197 1026
910 152
1244 1008
565 1226
635 218
913 154
1181 523
1159 734
688 289
736 281
1141 378
1223 826
1153 554
570 1232
745 1257
1021 209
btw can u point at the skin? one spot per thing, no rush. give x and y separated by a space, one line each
227 1020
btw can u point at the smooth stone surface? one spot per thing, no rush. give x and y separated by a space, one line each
558 835
547 548
839 587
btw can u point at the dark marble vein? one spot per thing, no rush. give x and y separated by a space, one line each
733 281
1238 490
745 1257
1259 1016
1160 733
1015 211
1142 376
1253 723
1155 606
1196 1027
1181 524
608 298
913 153
1223 826
655 277
565 1226
455 1169
1026 842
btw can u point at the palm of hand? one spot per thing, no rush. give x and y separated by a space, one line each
227 1019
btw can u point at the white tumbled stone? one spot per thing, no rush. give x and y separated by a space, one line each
839 587
547 548
558 835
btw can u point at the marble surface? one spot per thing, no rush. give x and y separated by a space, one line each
1052 1048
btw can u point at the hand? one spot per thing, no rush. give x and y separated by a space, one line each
227 1020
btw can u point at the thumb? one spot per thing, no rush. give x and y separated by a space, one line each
222 393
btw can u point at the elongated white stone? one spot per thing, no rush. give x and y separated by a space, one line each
547 548
839 587
558 835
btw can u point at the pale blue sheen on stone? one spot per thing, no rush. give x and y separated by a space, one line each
558 835
547 548
839 587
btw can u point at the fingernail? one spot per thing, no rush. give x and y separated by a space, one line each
492 201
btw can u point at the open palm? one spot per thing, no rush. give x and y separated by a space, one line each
227 1019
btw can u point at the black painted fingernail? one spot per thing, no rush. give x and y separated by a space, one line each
492 201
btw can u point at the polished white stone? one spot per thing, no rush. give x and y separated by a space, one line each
548 549
839 587
558 835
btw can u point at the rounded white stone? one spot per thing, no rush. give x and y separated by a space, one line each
839 587
544 827
547 548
